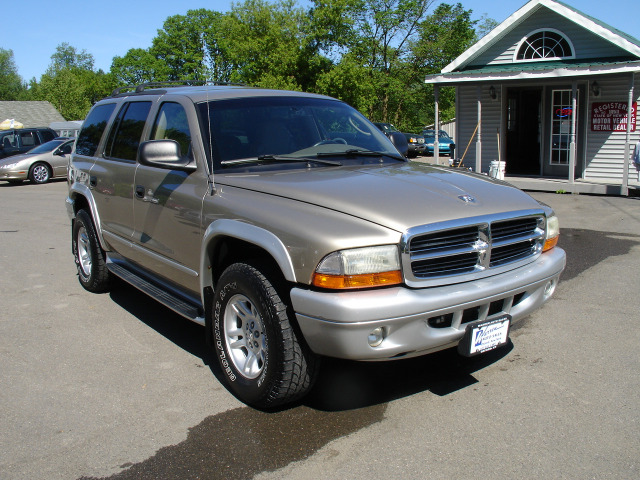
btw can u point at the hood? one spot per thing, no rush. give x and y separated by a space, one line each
397 196
15 158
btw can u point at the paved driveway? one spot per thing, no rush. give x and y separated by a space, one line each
116 386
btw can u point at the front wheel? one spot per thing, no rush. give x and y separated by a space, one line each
40 173
257 346
88 255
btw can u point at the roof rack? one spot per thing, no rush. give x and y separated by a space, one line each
173 83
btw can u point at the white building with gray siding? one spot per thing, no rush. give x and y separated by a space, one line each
548 92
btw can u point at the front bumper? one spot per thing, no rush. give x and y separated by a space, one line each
338 324
417 148
442 149
14 174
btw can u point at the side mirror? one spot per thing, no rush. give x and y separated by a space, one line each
400 142
164 154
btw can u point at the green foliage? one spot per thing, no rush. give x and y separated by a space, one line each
67 57
138 66
11 86
373 54
71 84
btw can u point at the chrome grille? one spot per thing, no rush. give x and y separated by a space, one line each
452 250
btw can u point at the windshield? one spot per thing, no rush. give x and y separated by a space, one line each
46 147
285 128
432 133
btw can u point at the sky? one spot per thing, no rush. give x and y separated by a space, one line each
110 28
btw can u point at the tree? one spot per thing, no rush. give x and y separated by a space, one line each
11 85
66 56
66 92
376 34
269 45
187 45
442 37
71 84
138 66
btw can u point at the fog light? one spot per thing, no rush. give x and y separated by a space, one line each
441 321
376 336
549 288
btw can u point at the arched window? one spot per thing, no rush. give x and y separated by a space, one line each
545 44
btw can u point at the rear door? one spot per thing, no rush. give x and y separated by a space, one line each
112 174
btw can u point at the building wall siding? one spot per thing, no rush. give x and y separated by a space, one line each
467 119
587 45
605 150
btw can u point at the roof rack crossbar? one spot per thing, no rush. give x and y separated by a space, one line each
171 83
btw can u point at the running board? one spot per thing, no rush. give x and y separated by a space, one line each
173 302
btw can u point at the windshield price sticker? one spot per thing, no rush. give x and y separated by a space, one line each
482 337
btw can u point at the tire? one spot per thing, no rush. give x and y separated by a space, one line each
272 368
40 173
89 257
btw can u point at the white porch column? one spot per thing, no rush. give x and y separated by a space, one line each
436 143
627 143
572 144
479 137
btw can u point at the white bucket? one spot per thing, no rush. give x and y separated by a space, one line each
496 170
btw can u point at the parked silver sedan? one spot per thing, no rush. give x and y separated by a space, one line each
39 164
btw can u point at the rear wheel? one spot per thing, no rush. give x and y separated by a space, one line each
89 257
259 351
40 173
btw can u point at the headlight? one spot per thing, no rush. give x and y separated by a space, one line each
9 165
553 232
359 268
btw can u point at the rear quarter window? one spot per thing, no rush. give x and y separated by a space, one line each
93 128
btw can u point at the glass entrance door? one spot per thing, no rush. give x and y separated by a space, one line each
562 115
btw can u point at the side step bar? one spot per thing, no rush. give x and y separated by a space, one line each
173 302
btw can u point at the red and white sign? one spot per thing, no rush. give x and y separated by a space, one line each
612 116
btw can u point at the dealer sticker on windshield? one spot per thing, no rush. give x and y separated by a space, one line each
482 337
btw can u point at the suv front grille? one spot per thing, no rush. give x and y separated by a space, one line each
437 251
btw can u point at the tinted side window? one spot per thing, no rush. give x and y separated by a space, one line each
29 139
66 148
171 123
126 131
92 129
46 135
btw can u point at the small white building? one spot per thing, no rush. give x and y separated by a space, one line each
549 92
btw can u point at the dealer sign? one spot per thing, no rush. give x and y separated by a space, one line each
612 116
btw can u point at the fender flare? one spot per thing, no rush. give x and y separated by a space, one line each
80 189
248 233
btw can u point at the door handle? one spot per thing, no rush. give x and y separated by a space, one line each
140 191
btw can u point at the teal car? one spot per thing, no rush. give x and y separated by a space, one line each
446 143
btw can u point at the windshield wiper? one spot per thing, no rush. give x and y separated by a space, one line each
354 152
279 158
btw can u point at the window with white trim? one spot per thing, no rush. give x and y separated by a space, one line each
561 118
545 44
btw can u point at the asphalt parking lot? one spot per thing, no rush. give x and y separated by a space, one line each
116 386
